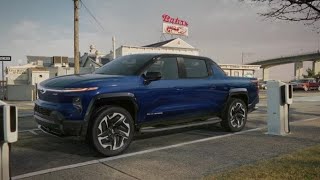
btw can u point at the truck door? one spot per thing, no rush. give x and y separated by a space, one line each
161 99
201 95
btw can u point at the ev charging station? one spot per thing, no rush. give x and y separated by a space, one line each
280 96
8 135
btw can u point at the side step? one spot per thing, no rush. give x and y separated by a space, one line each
180 126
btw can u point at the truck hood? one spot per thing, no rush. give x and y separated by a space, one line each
78 81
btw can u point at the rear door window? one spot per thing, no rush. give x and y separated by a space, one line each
196 68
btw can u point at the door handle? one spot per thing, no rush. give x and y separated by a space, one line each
213 87
178 88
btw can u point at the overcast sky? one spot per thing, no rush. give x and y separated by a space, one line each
221 29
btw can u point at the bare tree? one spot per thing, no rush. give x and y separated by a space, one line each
307 11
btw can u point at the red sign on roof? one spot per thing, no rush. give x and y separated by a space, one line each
168 19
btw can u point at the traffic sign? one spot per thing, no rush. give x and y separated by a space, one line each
5 58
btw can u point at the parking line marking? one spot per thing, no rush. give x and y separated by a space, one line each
46 171
54 169
28 130
305 120
33 132
127 155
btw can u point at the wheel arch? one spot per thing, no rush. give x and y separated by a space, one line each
236 93
124 100
239 93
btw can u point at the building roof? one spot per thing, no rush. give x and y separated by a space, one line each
159 44
86 59
48 60
105 61
174 43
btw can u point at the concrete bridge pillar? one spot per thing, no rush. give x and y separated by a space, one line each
316 67
265 74
298 70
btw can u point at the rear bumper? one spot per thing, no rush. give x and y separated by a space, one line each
58 126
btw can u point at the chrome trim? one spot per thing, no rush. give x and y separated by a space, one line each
43 90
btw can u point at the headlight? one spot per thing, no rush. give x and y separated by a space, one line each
76 101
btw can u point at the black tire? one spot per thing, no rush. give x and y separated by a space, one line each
111 131
237 121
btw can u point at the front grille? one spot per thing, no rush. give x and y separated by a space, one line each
42 110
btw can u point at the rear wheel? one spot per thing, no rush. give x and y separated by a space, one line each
234 116
112 131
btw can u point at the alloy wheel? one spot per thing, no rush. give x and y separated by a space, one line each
113 131
237 115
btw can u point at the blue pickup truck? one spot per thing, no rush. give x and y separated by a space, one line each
137 91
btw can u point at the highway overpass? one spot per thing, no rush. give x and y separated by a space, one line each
296 59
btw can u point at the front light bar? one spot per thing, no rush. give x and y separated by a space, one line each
69 89
79 89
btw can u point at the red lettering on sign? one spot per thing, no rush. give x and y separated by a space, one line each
167 18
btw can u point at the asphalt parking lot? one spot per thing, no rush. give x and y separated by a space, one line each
181 154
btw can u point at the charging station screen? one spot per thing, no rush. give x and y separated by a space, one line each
290 91
1 124
13 118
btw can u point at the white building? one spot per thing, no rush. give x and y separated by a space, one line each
172 46
240 70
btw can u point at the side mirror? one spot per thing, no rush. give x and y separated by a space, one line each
152 76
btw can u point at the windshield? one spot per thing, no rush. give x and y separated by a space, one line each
125 65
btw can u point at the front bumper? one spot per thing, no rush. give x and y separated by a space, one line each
56 125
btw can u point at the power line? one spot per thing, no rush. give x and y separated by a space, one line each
91 14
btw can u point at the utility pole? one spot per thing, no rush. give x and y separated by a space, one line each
76 37
242 58
318 37
114 47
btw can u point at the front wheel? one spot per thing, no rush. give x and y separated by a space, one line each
112 131
234 116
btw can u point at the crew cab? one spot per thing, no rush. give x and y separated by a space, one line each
137 91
